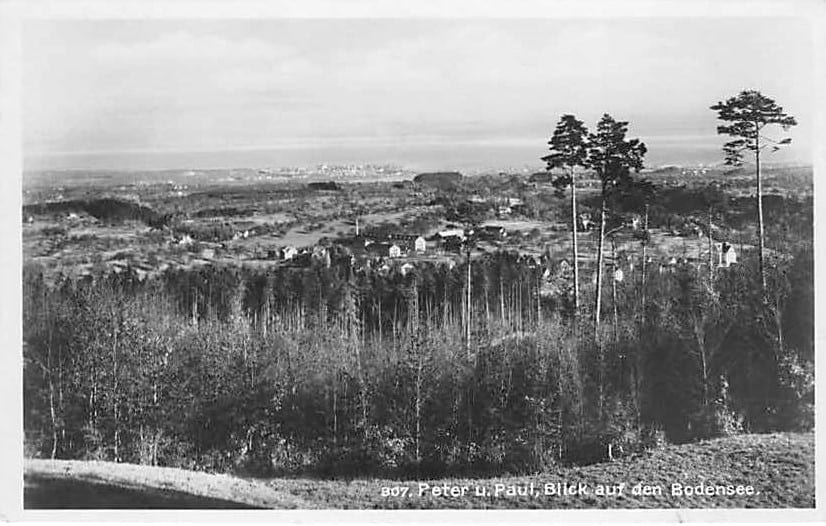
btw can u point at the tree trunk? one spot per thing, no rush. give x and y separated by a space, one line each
445 306
614 289
699 335
418 408
644 261
396 324
48 372
381 339
777 311
760 230
194 308
598 307
362 389
704 365
575 249
468 308
335 409
115 415
501 300
61 406
599 267
53 415
487 302
710 248
356 334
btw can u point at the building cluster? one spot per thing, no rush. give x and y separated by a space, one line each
618 269
502 206
510 205
344 171
302 257
454 239
380 256
393 245
378 248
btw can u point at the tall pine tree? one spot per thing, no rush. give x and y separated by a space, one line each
569 150
747 115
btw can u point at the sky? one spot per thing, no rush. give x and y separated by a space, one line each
199 93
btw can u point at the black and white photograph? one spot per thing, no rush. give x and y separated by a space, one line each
448 258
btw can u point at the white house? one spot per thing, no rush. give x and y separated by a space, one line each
322 255
409 242
728 256
420 244
395 251
585 221
452 232
288 253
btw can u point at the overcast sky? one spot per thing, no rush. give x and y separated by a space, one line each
127 86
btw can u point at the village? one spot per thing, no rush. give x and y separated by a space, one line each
412 223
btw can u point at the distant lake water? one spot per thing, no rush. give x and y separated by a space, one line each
470 157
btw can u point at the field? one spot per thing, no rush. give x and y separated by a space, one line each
779 468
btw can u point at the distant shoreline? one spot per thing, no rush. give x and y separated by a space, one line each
352 173
468 158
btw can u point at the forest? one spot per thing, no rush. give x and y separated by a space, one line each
329 371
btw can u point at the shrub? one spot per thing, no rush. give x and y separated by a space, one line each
53 231
713 421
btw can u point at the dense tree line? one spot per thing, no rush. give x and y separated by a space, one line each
105 209
341 371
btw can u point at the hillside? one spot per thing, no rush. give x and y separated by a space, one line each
779 468
441 180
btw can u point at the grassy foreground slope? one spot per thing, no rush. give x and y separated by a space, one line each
91 484
779 468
